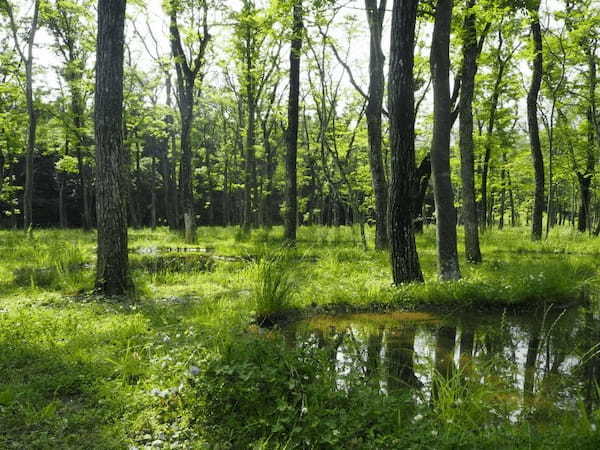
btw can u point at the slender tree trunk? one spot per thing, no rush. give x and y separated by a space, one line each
532 121
62 216
502 198
32 126
112 275
583 217
291 207
186 169
584 222
467 147
153 199
375 16
511 198
188 74
447 253
489 128
423 177
250 181
403 188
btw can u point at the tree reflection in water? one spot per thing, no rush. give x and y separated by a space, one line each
551 357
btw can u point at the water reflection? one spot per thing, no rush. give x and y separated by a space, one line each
546 360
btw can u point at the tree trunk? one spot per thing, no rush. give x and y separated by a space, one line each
188 73
467 147
375 16
423 177
291 207
32 126
403 188
153 200
168 166
502 63
112 277
186 169
532 121
583 222
448 267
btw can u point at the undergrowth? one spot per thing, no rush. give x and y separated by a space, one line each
179 366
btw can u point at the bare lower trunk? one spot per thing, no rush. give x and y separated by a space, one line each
153 199
532 121
112 277
448 267
291 207
403 187
583 222
467 147
375 16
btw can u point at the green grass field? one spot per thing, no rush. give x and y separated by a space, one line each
159 368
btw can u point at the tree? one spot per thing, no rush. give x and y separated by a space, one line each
26 55
67 22
532 121
470 51
112 274
448 266
291 207
189 72
375 17
403 188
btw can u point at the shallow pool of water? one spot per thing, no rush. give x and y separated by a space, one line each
524 364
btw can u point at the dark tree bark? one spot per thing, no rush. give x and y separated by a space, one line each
403 188
533 125
375 16
187 74
291 207
585 192
448 267
470 53
112 275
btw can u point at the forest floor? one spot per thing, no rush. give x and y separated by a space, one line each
183 363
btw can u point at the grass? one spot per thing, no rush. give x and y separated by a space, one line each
79 369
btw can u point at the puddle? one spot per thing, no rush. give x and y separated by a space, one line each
155 250
547 360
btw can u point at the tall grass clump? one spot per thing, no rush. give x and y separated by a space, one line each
56 265
273 285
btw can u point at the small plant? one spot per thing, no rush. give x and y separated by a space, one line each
272 286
